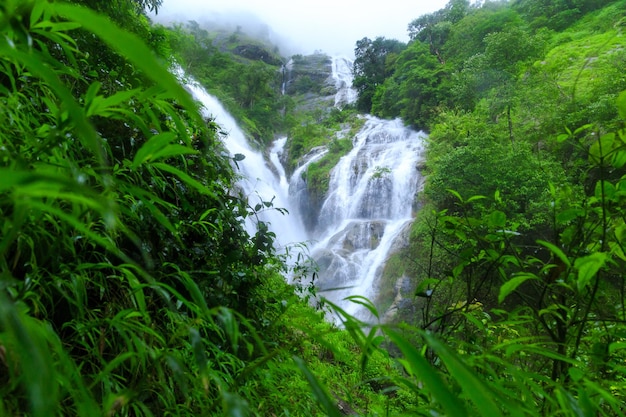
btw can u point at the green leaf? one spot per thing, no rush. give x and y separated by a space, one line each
475 198
84 130
199 350
153 145
615 346
36 12
159 147
481 395
137 290
588 267
617 250
556 251
194 291
56 26
456 194
562 137
618 159
424 289
602 147
427 374
575 373
570 214
105 107
234 405
512 284
230 326
497 197
363 301
42 389
173 150
497 218
185 177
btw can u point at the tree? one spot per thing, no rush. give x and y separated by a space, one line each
434 28
484 166
416 89
372 67
494 73
467 35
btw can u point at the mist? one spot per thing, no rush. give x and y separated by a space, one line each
329 26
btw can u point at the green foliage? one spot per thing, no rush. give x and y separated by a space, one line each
318 173
373 63
416 89
324 132
556 15
483 167
129 285
531 325
466 37
486 57
249 89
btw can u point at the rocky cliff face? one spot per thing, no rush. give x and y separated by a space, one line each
257 53
309 80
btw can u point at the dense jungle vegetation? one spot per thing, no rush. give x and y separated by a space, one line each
130 286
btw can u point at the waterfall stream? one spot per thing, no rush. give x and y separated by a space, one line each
370 202
258 182
368 206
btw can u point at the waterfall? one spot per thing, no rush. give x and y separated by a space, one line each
342 73
369 203
258 181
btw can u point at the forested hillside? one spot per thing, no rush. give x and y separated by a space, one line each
129 285
518 250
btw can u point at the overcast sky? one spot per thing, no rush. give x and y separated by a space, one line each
332 26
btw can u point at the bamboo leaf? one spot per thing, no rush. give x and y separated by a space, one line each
153 145
185 177
199 350
132 48
36 13
195 293
101 106
38 369
363 301
84 129
173 150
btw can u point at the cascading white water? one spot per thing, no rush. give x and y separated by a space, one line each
258 182
369 203
342 73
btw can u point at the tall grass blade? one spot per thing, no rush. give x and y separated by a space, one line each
480 394
322 397
429 376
